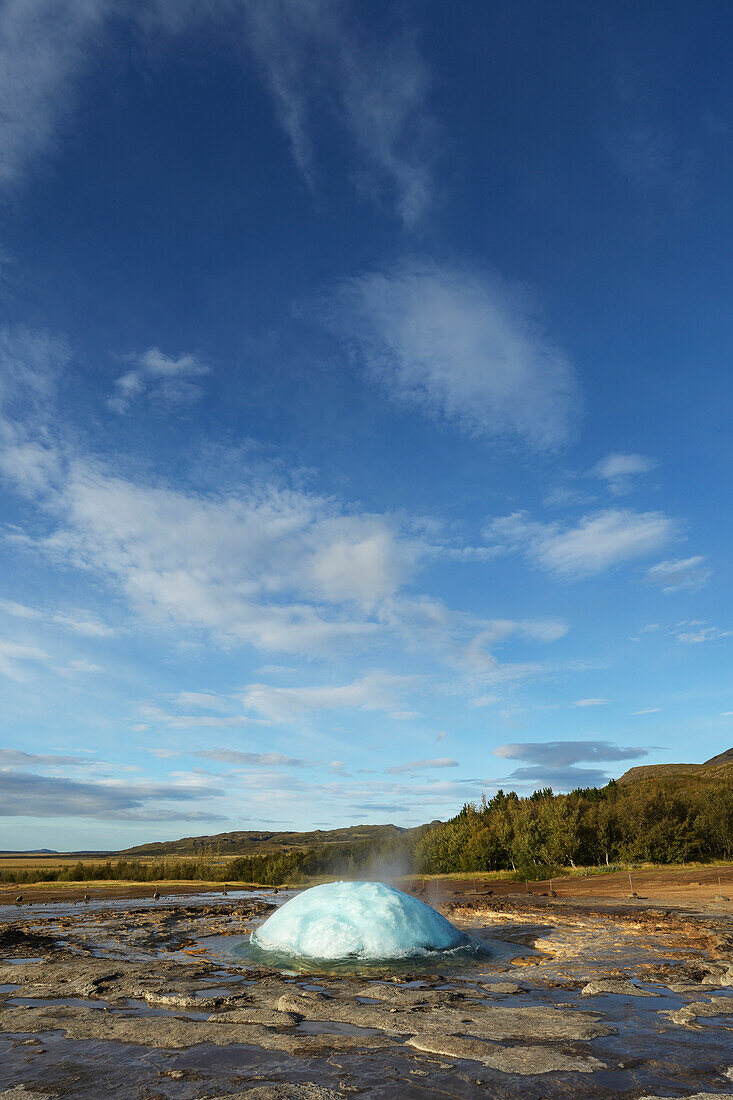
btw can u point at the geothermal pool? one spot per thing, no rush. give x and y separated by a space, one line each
367 922
569 1001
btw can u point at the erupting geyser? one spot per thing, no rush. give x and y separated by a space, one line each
357 920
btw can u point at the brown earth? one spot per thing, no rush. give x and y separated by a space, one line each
688 888
693 888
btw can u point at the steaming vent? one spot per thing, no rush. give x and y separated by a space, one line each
357 920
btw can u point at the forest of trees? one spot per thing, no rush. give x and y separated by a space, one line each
664 820
660 821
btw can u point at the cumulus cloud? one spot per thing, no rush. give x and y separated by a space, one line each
680 574
599 541
461 345
25 794
277 568
250 566
619 470
163 379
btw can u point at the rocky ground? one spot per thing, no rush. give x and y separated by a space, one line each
575 1001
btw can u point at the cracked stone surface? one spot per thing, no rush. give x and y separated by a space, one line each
153 1003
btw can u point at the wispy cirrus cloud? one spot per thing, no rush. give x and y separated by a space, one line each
324 65
697 631
462 345
320 64
598 541
16 758
44 49
252 759
414 766
374 691
680 574
79 622
14 656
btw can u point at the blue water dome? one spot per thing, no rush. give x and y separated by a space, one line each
356 920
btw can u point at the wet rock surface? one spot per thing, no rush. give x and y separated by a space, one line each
153 1002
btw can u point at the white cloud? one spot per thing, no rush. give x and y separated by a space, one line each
465 641
461 345
553 763
695 631
20 610
13 655
320 65
647 710
591 702
165 380
154 715
252 759
203 699
680 574
246 568
375 691
619 470
321 62
44 48
30 365
28 795
421 765
562 753
597 542
79 622
15 758
484 701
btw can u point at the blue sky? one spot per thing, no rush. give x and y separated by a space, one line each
365 403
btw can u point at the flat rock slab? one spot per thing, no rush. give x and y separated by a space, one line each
621 988
525 1060
688 1014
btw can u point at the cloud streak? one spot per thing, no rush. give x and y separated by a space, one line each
599 541
680 574
29 795
320 64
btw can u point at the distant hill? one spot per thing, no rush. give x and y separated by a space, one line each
722 758
31 852
717 767
263 843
